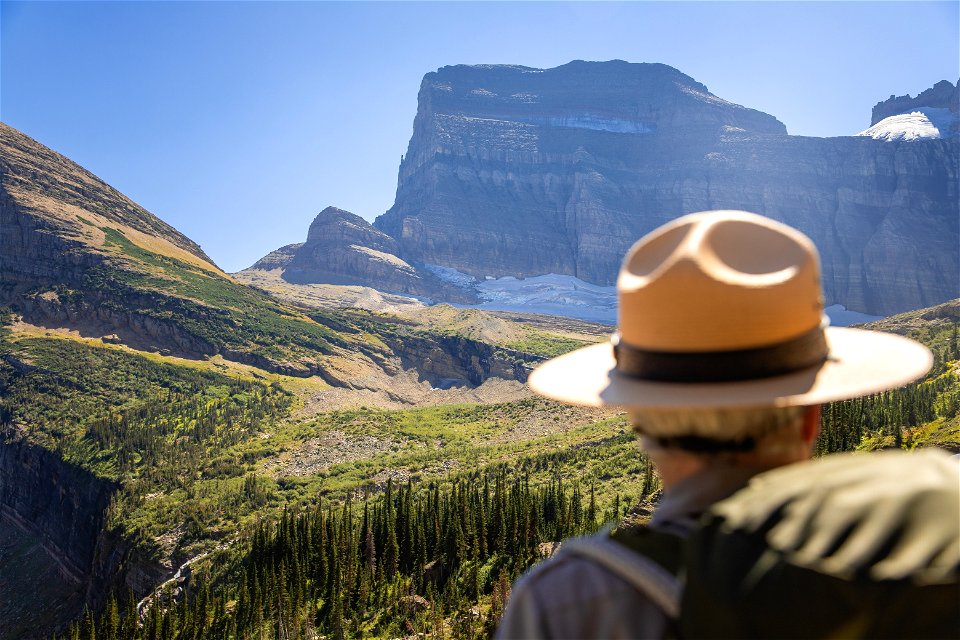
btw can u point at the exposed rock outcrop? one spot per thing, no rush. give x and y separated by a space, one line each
457 361
942 95
58 513
513 171
343 248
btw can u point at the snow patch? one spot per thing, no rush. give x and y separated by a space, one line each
551 294
452 276
925 123
568 296
526 97
593 123
840 317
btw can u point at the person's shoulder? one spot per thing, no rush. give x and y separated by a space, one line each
572 596
571 577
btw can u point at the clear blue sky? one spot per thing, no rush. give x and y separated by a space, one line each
238 121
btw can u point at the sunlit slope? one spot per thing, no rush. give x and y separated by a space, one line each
923 414
78 254
44 184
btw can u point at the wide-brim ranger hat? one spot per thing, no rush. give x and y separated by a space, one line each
723 309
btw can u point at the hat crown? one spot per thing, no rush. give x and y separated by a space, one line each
719 281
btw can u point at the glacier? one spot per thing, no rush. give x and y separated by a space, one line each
923 123
565 295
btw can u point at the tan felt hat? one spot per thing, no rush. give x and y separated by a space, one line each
724 309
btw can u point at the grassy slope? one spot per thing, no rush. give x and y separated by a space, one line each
937 327
119 258
201 444
200 448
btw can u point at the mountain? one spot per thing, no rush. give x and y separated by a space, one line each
521 172
145 395
77 254
57 218
942 95
933 114
344 249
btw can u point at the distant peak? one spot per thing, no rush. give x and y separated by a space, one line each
942 95
335 224
612 95
335 215
331 211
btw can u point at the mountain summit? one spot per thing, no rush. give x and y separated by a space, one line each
77 254
514 171
344 249
933 114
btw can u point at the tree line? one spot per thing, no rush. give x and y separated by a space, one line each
437 559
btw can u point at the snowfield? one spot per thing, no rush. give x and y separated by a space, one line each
924 123
571 297
552 294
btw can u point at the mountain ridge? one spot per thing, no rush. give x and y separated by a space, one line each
27 178
485 192
519 172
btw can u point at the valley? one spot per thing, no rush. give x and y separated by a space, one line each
183 457
321 446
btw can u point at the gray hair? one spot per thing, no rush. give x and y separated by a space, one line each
705 430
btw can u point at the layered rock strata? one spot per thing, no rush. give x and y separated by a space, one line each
57 514
513 171
343 248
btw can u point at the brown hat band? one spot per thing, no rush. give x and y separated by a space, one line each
793 355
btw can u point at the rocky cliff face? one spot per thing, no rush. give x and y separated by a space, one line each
448 361
56 512
343 248
518 171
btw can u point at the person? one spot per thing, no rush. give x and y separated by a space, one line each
722 358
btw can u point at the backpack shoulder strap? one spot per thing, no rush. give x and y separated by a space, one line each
645 574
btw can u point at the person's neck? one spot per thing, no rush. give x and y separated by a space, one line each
676 466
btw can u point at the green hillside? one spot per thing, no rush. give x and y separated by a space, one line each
221 460
923 414
78 254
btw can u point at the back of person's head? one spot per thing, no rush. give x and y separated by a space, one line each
722 345
724 430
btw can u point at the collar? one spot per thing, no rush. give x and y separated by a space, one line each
686 500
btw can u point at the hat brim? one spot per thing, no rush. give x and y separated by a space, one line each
861 362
